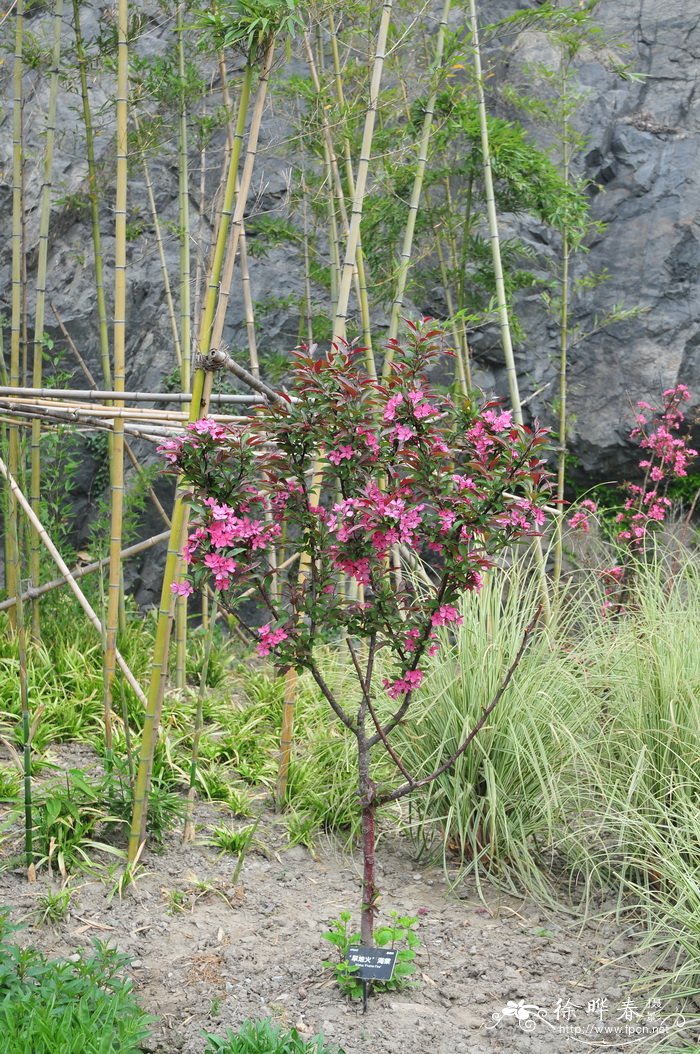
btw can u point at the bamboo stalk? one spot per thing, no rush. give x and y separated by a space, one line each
119 345
563 357
93 194
40 309
506 340
189 829
248 307
341 307
67 575
13 544
184 214
416 190
241 195
333 175
170 303
12 569
200 395
130 397
307 266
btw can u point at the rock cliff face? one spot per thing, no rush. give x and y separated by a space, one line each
642 145
641 152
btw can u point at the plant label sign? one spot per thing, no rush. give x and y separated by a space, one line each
372 964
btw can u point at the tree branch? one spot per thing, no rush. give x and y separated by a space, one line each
412 785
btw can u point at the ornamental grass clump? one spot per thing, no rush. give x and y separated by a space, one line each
409 480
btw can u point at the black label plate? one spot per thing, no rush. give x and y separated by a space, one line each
373 964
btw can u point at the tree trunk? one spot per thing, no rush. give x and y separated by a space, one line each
368 803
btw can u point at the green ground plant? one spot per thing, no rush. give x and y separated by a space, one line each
48 1006
400 934
266 1037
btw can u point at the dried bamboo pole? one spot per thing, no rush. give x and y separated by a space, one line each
119 364
110 394
85 569
12 559
341 307
93 194
68 576
40 308
414 203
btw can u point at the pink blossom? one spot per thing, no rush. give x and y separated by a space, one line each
391 405
222 566
411 639
342 452
270 638
445 614
447 518
402 433
171 449
463 482
181 589
369 438
411 680
500 422
207 426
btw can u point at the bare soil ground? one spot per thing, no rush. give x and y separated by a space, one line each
206 955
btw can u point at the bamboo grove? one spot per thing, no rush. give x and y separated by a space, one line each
397 174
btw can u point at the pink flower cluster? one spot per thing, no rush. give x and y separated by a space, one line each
669 455
269 639
580 519
410 680
404 469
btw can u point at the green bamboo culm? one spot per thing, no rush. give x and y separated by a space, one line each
94 198
119 363
185 292
12 554
416 190
228 35
38 342
362 292
13 543
189 830
504 321
349 264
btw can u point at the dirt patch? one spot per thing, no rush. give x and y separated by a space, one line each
206 955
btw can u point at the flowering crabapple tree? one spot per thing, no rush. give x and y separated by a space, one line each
407 477
666 456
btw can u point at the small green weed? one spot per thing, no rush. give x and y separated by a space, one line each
53 907
66 818
264 1037
400 932
232 840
